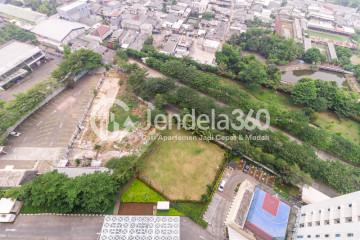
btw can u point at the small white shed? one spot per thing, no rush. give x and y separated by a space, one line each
163 205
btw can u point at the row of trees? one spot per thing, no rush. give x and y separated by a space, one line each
92 193
12 32
293 122
292 160
14 110
324 95
274 48
56 193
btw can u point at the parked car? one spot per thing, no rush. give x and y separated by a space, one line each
15 134
222 185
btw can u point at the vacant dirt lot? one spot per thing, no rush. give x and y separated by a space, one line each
181 169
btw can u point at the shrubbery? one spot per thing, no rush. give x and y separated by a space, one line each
274 48
74 63
324 95
12 32
56 193
14 110
281 154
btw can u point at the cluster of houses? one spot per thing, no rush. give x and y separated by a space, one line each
318 24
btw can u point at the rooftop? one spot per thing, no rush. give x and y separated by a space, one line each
72 5
140 227
14 53
6 205
11 178
78 171
268 216
25 14
56 29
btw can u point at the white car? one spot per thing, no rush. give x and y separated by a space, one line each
222 185
15 134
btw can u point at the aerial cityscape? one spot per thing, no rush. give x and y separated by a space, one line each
179 119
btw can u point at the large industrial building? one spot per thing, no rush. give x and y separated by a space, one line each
56 33
334 218
17 60
74 11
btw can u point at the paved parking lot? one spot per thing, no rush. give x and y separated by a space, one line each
221 202
52 228
46 134
40 74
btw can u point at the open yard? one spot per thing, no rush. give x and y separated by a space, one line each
328 36
355 59
347 128
180 170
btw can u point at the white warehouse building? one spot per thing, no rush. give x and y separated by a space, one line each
17 60
56 33
74 11
335 218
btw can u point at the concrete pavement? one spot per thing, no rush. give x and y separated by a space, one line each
52 228
191 231
220 204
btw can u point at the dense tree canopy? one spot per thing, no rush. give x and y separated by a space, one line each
77 62
276 49
304 92
344 54
252 72
313 55
246 69
324 95
56 193
123 168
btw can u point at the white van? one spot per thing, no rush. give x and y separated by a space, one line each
222 185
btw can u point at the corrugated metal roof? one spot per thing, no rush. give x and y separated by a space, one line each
15 53
56 29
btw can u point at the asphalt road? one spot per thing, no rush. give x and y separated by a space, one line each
52 228
191 231
39 227
220 204
46 134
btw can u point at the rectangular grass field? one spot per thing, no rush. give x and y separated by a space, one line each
180 170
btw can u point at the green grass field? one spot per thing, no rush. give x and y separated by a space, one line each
329 36
347 128
181 170
139 192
